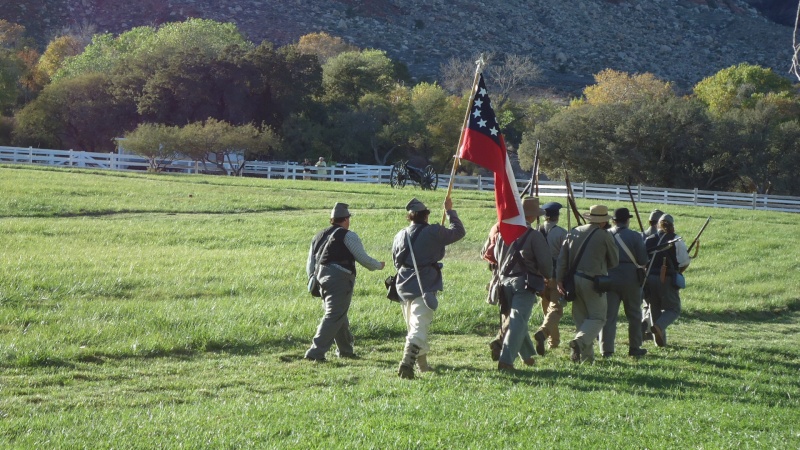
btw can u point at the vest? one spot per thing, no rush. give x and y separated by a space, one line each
335 253
671 254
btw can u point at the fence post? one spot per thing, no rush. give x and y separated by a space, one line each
638 192
70 157
583 195
695 196
755 199
112 163
30 155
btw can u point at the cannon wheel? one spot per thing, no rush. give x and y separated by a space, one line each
430 179
398 176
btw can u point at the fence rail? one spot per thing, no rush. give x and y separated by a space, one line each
360 173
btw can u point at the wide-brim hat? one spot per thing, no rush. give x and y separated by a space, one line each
340 210
530 207
597 214
416 206
621 214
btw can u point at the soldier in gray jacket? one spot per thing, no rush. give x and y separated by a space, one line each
552 309
590 307
332 259
626 286
653 219
524 267
428 247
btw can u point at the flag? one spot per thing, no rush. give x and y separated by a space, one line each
483 144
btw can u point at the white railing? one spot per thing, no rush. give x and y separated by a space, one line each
360 173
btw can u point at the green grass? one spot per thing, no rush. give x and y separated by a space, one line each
160 311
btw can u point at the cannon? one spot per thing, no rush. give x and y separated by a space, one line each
402 172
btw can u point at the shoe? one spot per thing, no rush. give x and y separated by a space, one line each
553 345
540 338
503 367
319 360
496 348
637 352
422 363
349 356
658 335
647 336
405 371
530 361
608 354
576 351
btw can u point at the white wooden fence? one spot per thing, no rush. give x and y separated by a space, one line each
359 173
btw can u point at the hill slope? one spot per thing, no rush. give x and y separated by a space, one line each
683 41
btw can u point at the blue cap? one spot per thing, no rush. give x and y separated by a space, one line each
552 208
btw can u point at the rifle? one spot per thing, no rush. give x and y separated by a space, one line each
529 188
535 174
635 209
697 238
571 200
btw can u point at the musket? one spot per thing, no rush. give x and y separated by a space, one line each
696 240
571 199
535 174
529 188
635 209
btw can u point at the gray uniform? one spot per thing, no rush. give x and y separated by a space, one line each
536 259
627 289
337 290
552 309
590 307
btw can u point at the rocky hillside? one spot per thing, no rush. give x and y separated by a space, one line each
679 40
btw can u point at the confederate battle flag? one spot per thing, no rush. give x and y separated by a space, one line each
484 145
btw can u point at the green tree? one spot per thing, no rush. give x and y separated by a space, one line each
80 113
739 86
226 147
612 86
159 143
350 75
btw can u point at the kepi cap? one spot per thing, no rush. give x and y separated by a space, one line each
416 206
667 218
339 211
551 209
656 214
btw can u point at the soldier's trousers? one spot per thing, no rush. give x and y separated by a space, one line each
337 292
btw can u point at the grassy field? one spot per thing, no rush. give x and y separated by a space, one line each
164 311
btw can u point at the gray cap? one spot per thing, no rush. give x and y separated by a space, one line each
416 206
667 218
340 210
655 215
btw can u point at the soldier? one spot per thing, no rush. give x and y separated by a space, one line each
626 286
487 253
552 309
600 254
331 258
653 229
662 287
418 290
524 267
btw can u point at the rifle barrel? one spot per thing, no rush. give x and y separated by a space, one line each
697 238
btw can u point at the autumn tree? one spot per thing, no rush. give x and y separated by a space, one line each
323 46
739 86
612 86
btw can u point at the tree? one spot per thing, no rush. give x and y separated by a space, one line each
224 146
350 75
612 86
56 52
159 143
739 86
323 46
79 113
441 116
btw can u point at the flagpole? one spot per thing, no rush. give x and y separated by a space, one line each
456 160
